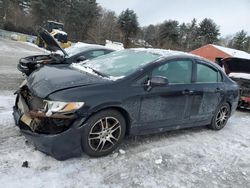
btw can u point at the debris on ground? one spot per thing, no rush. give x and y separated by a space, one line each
121 151
25 164
158 161
115 155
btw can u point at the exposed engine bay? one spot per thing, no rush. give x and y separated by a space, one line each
31 63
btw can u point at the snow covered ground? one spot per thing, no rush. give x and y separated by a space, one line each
10 53
196 157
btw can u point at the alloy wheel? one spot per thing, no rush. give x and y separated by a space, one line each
104 134
222 116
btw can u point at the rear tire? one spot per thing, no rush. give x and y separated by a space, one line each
221 117
103 133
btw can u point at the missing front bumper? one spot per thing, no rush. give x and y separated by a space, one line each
37 121
61 146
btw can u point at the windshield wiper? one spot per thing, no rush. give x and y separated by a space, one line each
97 72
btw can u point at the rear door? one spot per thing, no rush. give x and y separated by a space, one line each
208 92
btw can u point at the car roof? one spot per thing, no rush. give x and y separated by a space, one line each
164 53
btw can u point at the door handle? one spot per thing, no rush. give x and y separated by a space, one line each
218 90
187 92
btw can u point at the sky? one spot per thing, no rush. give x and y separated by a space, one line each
231 15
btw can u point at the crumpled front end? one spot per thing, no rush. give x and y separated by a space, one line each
56 134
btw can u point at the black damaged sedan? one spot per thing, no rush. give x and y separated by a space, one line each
90 107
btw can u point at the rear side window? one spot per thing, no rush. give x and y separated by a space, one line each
177 72
205 74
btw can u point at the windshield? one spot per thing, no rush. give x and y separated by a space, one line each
120 63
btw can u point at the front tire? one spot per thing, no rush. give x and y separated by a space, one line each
103 133
221 117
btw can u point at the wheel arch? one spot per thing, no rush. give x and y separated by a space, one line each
121 110
223 102
230 105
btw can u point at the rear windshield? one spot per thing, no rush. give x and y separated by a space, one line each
121 63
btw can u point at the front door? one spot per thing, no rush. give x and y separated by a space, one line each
166 106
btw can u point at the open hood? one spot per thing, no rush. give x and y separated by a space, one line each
236 65
51 43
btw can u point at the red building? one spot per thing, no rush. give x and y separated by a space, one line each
211 52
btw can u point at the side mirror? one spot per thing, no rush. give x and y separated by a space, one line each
158 81
81 58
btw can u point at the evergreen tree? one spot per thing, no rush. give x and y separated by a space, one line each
192 34
247 45
39 11
183 35
169 34
240 40
151 34
3 5
128 24
208 31
43 10
80 17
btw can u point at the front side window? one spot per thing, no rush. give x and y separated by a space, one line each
177 72
206 74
